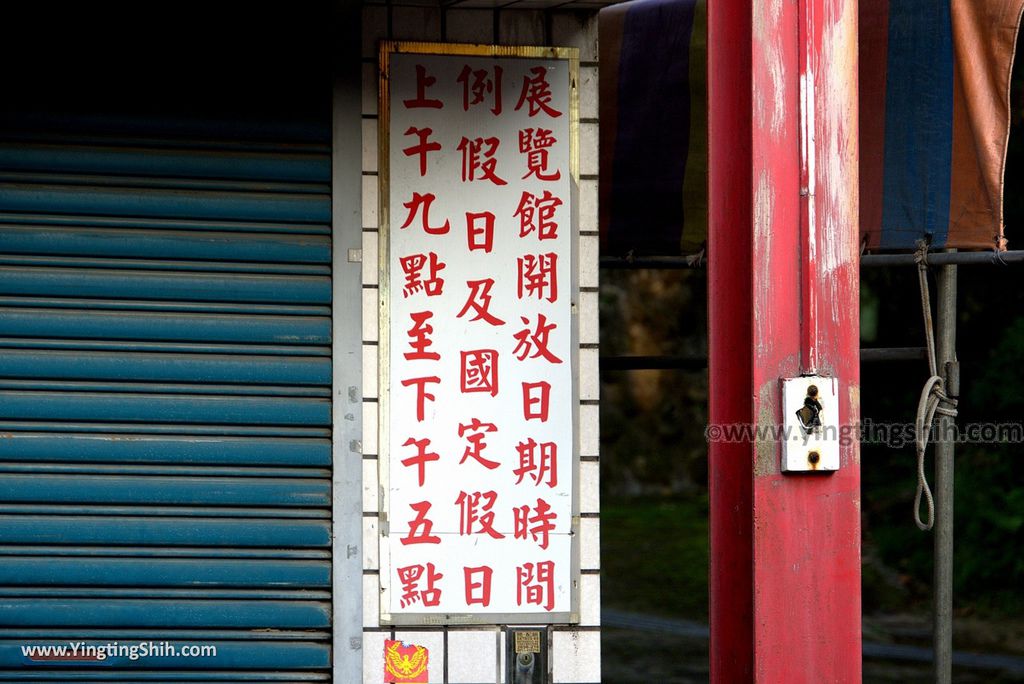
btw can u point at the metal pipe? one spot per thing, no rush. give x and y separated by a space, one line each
695 363
655 262
638 362
934 258
944 446
889 354
949 258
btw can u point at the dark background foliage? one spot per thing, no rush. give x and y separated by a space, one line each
654 459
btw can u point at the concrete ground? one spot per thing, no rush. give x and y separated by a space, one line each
639 649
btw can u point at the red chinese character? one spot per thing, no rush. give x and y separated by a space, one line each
480 371
480 236
538 276
534 143
410 577
420 527
476 441
423 147
422 83
538 527
478 591
536 394
538 213
419 338
474 513
537 93
421 458
535 340
421 392
479 301
546 468
478 158
414 205
538 586
413 266
477 85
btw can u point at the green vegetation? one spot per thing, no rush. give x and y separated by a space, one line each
654 458
989 527
654 555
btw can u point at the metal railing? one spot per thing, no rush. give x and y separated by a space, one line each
947 262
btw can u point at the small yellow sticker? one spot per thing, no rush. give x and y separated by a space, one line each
527 642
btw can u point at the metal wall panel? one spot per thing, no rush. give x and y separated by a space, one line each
165 402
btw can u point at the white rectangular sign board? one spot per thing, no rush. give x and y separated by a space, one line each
478 457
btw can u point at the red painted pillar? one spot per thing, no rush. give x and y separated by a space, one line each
783 284
730 289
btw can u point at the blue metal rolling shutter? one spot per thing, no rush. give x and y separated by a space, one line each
165 403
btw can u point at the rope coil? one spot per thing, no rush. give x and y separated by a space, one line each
933 398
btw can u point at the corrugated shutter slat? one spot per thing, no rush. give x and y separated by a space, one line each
165 411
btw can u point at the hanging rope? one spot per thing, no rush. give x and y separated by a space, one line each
933 397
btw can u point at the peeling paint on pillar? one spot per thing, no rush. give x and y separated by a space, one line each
838 199
764 207
766 16
766 449
853 424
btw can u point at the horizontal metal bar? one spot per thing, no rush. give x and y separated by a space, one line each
61 548
179 429
112 448
161 469
147 202
128 531
893 354
934 258
152 243
242 657
164 408
124 367
285 165
167 388
654 262
94 304
612 363
165 285
122 264
180 224
204 593
163 182
38 612
171 131
945 258
180 512
142 490
130 330
653 362
194 635
163 347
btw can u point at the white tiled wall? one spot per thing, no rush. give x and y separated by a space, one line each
576 656
465 655
472 655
